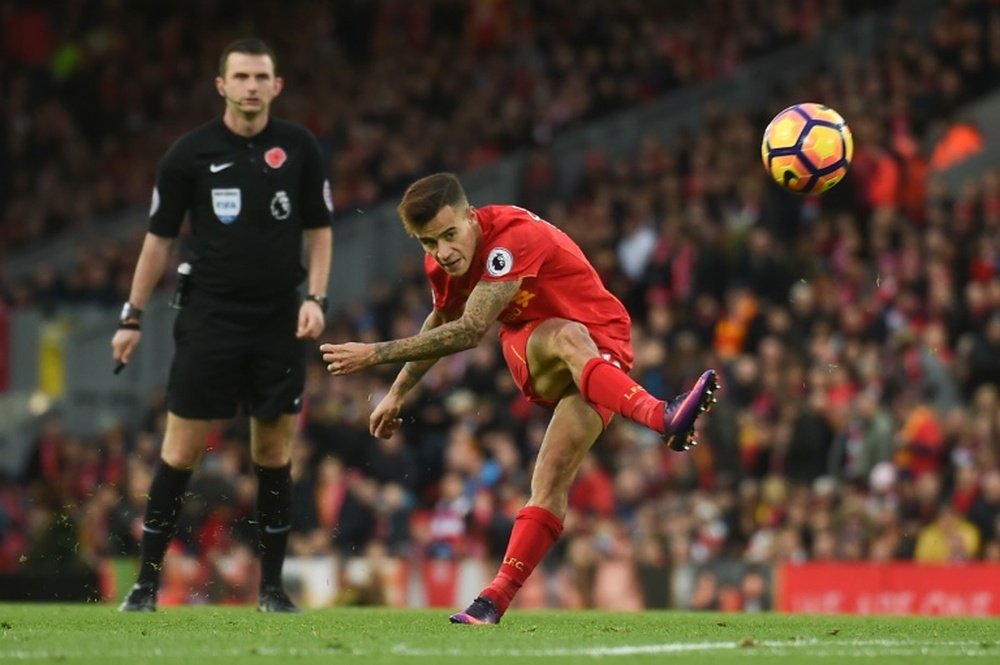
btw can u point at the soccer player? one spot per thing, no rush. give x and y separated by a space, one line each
565 337
255 191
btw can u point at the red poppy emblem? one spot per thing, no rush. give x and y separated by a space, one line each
275 157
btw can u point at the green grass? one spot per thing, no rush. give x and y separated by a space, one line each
38 633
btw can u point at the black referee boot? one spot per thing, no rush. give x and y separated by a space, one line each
274 599
142 598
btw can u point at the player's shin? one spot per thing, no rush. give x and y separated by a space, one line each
604 384
535 531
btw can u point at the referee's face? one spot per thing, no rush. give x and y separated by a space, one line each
249 84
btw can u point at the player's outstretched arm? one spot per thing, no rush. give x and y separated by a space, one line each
483 307
385 419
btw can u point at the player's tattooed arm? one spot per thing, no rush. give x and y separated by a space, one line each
414 370
482 308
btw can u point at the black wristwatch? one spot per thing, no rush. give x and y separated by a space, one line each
320 300
130 316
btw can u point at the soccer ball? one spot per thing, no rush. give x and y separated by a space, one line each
807 148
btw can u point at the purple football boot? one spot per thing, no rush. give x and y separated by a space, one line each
683 410
482 611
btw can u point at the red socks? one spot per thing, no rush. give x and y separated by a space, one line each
606 385
535 531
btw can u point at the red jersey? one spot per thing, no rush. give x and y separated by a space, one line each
557 279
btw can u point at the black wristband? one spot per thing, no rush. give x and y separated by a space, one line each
129 325
130 312
322 301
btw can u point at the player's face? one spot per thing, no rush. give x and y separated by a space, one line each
249 84
451 239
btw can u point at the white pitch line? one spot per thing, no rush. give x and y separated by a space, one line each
821 648
831 648
623 650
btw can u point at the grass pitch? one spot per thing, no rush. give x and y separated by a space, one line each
99 634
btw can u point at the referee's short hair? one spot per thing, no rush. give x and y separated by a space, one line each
250 45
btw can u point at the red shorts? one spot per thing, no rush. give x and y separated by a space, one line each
616 348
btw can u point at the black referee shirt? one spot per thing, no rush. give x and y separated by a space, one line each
248 200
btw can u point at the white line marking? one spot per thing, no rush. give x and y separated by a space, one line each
623 650
759 648
833 648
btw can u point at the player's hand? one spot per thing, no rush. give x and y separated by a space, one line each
347 358
385 419
311 320
123 344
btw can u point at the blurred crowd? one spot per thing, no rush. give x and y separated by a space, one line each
857 335
93 92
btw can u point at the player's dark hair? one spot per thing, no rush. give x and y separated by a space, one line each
250 45
424 199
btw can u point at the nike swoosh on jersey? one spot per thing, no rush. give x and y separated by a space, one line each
215 168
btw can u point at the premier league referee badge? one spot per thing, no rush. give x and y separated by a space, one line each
281 205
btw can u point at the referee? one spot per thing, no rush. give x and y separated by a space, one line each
255 191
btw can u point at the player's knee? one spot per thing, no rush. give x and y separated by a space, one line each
573 339
572 332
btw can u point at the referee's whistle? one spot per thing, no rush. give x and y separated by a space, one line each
179 299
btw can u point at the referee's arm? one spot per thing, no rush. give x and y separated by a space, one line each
318 250
149 269
153 259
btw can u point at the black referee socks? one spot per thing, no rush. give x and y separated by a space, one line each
166 493
274 519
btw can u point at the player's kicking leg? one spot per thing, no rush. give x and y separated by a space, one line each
559 347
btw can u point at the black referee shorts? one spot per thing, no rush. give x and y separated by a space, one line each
231 354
